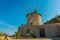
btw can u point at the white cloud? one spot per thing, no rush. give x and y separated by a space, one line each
7 25
11 29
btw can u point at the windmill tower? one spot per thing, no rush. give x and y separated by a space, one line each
33 18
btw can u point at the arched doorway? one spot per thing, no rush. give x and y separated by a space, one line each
42 32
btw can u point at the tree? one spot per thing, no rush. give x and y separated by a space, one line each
54 20
18 33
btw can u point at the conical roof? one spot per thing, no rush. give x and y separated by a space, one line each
33 13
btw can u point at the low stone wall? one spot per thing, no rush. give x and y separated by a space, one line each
32 39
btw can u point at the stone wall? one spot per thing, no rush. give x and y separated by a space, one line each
51 30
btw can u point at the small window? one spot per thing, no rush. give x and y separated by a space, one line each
28 30
31 23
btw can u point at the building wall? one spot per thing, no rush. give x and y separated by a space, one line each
36 19
58 29
29 19
51 30
34 29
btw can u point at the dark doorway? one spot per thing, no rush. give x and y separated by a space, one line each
42 32
31 23
28 31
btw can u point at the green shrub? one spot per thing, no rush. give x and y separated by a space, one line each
18 34
32 34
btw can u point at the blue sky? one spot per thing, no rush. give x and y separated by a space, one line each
13 12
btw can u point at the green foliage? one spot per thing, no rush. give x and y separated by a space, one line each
54 20
32 34
3 34
18 34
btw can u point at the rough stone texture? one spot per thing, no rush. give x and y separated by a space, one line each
51 30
